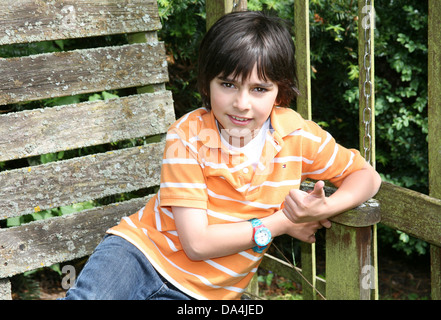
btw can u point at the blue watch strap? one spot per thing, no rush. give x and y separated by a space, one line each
255 222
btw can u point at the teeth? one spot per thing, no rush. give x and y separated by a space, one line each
239 119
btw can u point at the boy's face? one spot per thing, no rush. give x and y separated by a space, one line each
241 106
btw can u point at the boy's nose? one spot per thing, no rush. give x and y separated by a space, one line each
243 101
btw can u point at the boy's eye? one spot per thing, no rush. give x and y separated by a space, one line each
228 85
260 89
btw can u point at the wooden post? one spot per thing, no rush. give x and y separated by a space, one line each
303 101
303 63
217 8
350 270
434 114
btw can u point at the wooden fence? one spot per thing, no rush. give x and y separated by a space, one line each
131 128
351 257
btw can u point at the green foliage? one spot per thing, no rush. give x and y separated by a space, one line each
45 214
402 106
401 241
183 26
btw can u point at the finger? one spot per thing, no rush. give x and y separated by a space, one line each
325 223
297 195
295 199
318 189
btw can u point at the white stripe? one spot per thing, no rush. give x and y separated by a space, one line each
270 139
277 184
157 216
292 159
180 161
248 203
261 166
305 134
172 136
250 256
183 120
223 166
190 146
243 188
141 213
175 136
183 185
170 243
130 223
225 269
348 165
223 216
194 139
167 213
187 115
330 163
328 138
274 184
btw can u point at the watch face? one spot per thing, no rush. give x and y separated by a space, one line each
262 237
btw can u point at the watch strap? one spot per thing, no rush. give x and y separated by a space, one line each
256 223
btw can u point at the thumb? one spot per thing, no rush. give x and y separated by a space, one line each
318 189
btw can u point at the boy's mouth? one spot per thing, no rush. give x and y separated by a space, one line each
239 119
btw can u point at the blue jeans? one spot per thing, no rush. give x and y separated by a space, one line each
117 270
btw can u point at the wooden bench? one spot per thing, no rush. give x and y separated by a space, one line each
142 115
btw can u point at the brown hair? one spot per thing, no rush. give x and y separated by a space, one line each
238 41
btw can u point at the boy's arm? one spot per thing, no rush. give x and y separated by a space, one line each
355 189
202 241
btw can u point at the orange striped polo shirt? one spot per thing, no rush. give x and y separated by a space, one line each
198 171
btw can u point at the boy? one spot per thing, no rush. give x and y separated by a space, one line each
230 178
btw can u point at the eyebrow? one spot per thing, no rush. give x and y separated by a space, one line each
257 84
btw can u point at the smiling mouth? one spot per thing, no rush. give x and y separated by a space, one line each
240 119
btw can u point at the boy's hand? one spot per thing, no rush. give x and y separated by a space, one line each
303 207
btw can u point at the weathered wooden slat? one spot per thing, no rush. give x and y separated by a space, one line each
42 131
55 184
45 242
411 212
81 71
32 21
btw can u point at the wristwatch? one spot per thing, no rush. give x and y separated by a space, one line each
261 235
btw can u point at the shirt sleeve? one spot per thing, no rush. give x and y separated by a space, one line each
182 179
325 158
